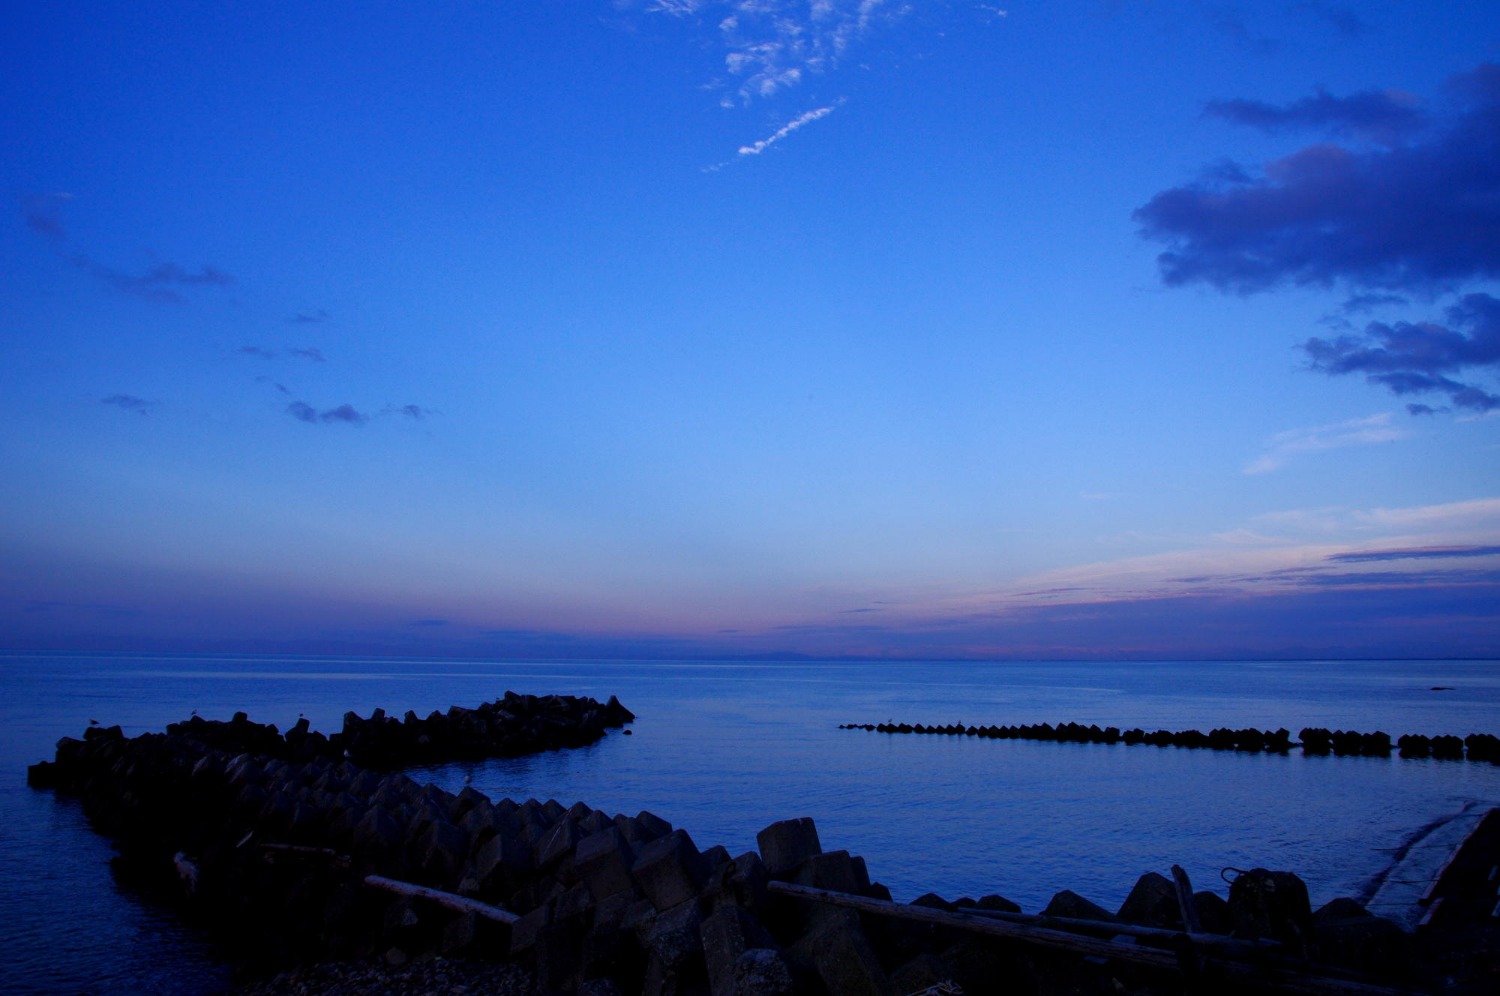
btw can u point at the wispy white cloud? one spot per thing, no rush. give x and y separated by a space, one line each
791 126
1322 582
1477 514
771 45
1459 521
678 8
1313 439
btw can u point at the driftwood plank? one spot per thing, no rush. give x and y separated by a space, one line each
462 904
1212 942
1280 977
1185 904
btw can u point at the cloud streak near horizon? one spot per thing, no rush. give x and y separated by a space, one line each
1353 432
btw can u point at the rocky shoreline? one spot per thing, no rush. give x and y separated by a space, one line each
294 854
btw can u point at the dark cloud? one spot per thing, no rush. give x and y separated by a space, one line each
1386 117
348 414
129 402
1361 303
1328 575
1415 553
1228 21
1418 217
304 412
344 413
1403 580
1387 614
315 317
413 412
1422 357
1345 21
305 353
1225 171
43 213
159 283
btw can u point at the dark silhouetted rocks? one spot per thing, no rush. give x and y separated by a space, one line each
1271 905
507 727
1315 741
268 839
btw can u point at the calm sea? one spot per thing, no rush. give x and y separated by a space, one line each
723 749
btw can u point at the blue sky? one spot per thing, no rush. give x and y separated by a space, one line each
683 327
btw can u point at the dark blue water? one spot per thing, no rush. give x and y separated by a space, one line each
722 749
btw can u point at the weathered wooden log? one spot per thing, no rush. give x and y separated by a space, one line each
461 904
1282 977
1250 949
975 922
1074 925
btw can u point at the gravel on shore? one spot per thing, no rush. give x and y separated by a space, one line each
433 977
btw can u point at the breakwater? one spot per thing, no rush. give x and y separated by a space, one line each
1311 740
506 727
304 859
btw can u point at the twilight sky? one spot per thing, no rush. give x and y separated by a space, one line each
697 327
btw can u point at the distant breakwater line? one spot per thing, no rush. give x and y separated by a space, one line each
1311 740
